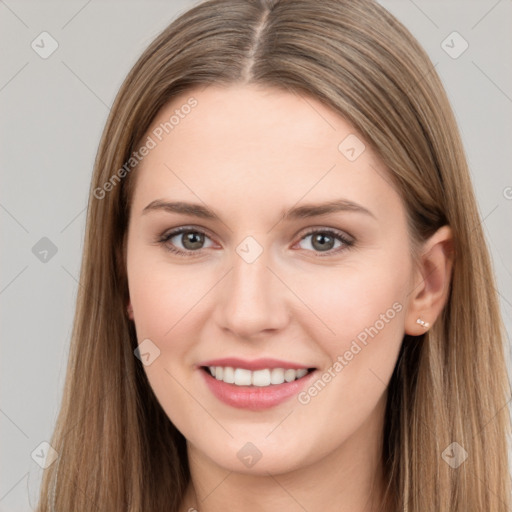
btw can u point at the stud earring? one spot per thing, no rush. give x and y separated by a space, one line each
422 322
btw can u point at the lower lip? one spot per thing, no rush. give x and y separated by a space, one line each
254 398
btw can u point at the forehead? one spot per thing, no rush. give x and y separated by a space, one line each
260 118
242 143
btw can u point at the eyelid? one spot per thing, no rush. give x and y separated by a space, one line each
325 229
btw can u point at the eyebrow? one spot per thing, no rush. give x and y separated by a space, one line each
298 212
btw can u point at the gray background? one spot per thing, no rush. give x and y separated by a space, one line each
52 113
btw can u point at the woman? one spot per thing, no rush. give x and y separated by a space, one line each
286 294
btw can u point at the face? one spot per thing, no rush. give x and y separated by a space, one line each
288 280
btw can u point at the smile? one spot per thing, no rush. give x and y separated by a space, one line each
255 385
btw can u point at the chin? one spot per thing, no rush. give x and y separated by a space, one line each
257 457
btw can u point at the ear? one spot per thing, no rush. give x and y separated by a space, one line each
431 282
129 310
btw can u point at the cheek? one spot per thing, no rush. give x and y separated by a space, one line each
361 302
364 306
162 295
170 303
154 303
165 304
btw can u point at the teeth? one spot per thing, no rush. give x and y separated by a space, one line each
289 375
277 376
301 373
243 377
229 375
259 378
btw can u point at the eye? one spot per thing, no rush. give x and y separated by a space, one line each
191 240
324 241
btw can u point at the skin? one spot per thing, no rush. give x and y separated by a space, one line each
250 153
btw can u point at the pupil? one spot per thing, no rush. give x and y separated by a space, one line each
193 239
320 239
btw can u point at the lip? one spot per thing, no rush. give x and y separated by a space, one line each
255 364
254 398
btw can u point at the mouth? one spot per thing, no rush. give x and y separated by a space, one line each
267 384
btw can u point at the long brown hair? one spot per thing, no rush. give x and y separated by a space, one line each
117 449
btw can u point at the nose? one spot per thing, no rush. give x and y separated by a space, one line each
252 301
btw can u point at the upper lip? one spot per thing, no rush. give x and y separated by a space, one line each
255 364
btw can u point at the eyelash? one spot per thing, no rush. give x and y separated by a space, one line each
163 239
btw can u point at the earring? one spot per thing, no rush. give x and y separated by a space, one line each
422 322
